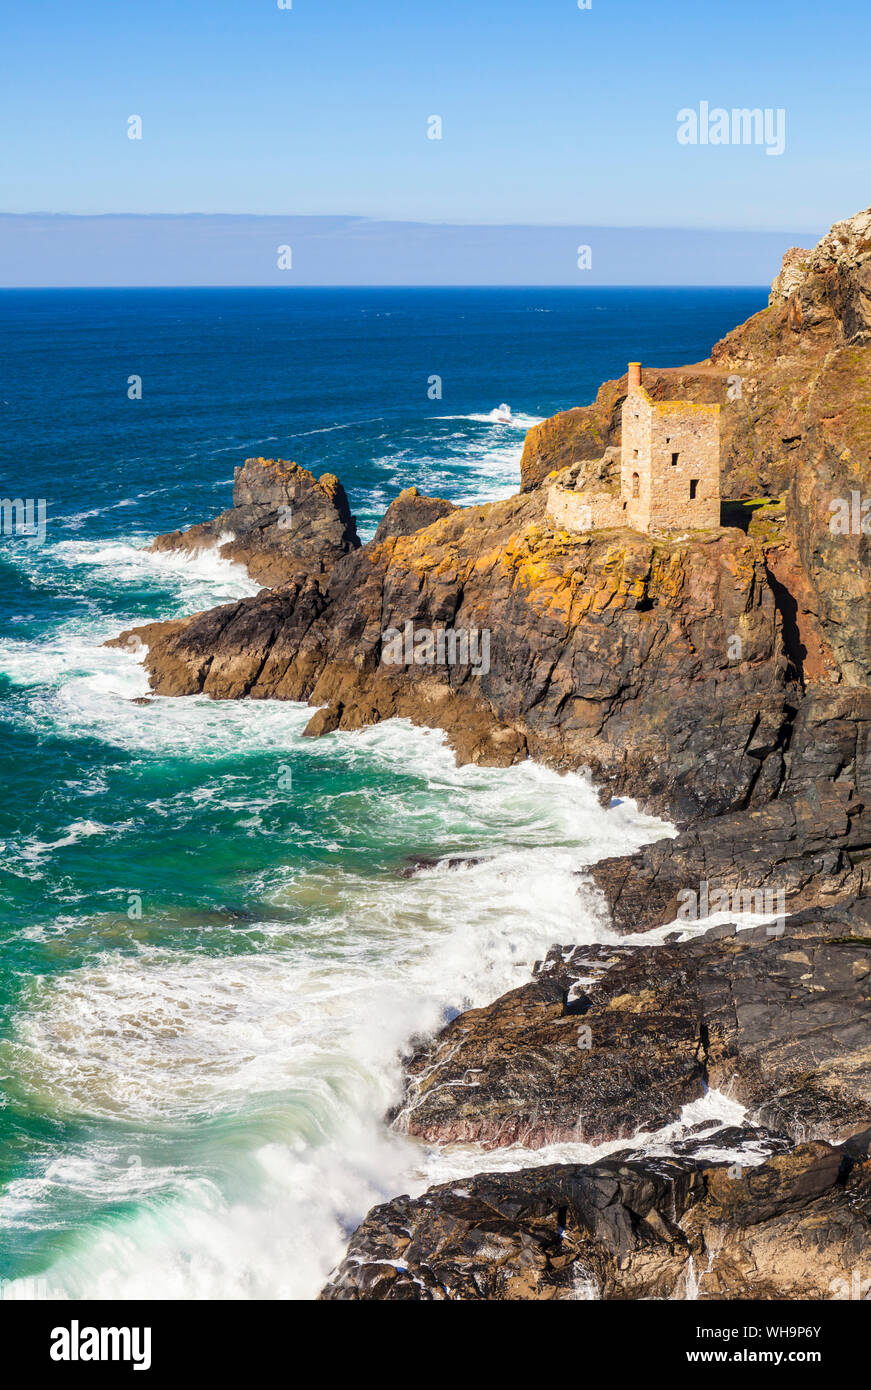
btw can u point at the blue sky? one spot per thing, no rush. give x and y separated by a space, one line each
551 114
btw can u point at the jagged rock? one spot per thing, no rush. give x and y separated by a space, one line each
586 1053
323 721
793 384
613 655
795 1227
810 845
534 1069
792 273
419 863
831 284
283 522
410 512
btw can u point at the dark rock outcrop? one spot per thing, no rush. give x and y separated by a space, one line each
410 512
798 1227
283 522
533 1068
811 845
794 387
617 655
778 1016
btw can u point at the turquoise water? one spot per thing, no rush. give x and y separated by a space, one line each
210 951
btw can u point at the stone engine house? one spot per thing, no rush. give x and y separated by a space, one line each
669 470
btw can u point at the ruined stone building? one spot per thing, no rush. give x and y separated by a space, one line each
669 470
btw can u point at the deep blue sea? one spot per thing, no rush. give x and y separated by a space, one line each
209 954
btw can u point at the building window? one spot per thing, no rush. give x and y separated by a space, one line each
635 453
694 483
636 485
674 459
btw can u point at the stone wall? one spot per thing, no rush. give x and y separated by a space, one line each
584 511
689 435
670 464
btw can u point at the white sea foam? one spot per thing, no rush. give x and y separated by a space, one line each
470 468
83 686
239 448
36 850
375 961
514 422
202 576
75 520
299 1041
682 930
520 421
292 1048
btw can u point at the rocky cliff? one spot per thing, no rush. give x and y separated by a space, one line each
794 387
721 677
283 522
610 1041
658 664
626 1227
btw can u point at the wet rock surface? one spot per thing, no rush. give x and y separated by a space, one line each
812 846
796 1227
606 1042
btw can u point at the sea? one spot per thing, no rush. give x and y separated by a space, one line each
214 947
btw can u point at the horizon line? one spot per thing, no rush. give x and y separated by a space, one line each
297 289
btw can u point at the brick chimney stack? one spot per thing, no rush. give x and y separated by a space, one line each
634 376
